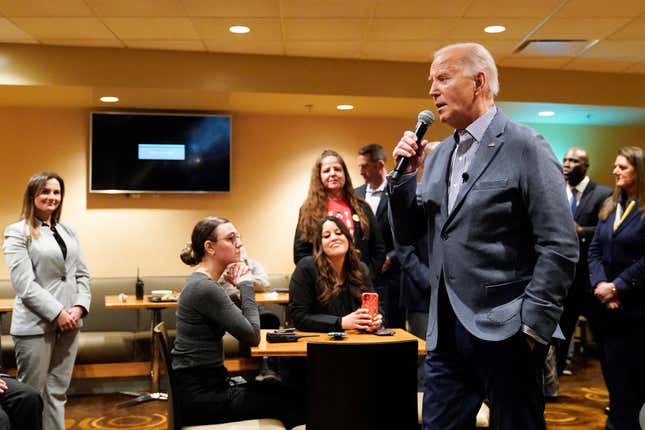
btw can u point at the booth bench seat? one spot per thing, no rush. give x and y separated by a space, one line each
117 342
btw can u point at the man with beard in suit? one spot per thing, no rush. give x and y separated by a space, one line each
371 162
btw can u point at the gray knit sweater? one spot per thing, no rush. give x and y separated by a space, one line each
204 313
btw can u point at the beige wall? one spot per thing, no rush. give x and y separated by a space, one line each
272 158
601 142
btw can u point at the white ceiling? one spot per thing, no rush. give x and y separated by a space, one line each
612 32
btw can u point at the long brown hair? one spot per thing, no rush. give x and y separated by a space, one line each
634 156
326 285
205 229
315 205
34 187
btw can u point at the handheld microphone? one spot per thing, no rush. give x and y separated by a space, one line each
426 118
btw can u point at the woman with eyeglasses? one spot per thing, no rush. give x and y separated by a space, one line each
617 270
52 285
205 312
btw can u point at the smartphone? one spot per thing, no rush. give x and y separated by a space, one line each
370 302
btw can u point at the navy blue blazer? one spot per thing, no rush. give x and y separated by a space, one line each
619 257
381 218
415 276
508 249
586 217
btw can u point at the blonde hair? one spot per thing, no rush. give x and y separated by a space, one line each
35 185
634 156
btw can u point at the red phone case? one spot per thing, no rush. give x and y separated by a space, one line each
370 302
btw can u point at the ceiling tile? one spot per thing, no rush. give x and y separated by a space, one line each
601 9
510 9
44 8
136 8
324 29
636 68
409 29
552 48
635 30
323 49
534 62
94 43
10 33
419 8
327 8
470 28
64 28
597 65
217 28
171 45
237 8
579 28
618 50
498 48
246 47
152 28
401 50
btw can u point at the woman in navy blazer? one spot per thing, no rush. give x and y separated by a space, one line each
52 287
617 271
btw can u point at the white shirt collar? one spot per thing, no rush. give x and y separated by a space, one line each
380 188
582 185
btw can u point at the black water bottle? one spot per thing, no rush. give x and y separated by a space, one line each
139 287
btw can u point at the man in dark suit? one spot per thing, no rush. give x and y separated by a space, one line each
585 200
371 162
502 245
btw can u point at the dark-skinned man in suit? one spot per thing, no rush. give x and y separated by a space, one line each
589 198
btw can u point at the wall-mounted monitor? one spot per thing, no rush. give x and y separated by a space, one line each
133 152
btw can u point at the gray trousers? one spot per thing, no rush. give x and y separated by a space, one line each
46 363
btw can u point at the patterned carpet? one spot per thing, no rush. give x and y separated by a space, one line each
579 407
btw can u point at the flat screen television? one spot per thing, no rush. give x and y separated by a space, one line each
132 152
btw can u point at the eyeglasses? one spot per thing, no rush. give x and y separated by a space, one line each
233 238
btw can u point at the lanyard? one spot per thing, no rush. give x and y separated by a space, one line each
620 217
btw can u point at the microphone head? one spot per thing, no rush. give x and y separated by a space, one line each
426 117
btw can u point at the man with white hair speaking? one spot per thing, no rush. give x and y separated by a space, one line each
503 249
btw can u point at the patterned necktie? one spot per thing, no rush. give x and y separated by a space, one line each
574 201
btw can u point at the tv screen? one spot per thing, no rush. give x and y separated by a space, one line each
157 152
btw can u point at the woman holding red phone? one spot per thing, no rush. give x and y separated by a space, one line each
325 292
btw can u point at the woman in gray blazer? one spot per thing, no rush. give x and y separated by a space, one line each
52 286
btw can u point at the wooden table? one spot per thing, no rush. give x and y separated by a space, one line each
299 348
131 302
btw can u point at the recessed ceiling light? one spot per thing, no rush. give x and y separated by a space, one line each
109 99
239 29
546 113
345 107
495 29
